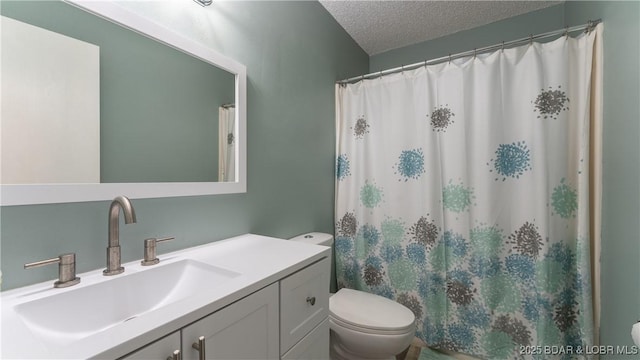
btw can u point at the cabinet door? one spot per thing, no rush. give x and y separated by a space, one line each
159 350
246 329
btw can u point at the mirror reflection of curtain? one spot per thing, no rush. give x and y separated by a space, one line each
226 143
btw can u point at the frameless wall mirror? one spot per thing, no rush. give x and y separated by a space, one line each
98 101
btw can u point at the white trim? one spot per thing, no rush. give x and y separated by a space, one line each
65 193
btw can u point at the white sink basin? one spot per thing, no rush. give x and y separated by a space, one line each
64 318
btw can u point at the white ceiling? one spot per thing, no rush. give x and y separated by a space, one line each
379 26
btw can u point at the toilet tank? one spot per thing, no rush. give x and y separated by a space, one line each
315 238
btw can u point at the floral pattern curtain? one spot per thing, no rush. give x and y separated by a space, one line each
462 192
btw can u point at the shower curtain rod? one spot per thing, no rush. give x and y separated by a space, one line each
586 27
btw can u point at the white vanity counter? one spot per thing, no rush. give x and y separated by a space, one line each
251 261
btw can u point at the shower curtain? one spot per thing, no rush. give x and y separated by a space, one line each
226 143
463 193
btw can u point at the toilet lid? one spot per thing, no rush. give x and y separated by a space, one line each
370 311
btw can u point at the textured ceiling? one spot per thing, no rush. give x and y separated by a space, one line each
378 26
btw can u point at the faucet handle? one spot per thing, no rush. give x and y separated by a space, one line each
66 269
150 250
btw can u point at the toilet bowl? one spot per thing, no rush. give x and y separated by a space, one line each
368 326
363 325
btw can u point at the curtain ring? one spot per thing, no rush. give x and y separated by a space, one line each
503 46
566 32
530 39
449 58
474 52
380 74
402 68
425 63
362 78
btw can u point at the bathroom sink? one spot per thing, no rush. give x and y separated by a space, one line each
64 318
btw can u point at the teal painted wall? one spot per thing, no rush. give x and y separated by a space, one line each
294 52
620 257
144 137
621 153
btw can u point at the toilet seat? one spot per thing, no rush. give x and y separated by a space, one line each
364 330
369 313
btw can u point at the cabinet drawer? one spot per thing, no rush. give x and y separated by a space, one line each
304 302
314 346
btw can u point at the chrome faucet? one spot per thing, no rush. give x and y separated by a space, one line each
114 261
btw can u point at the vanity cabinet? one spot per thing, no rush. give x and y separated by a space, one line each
285 320
246 329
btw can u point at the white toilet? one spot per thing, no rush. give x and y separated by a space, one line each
363 325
